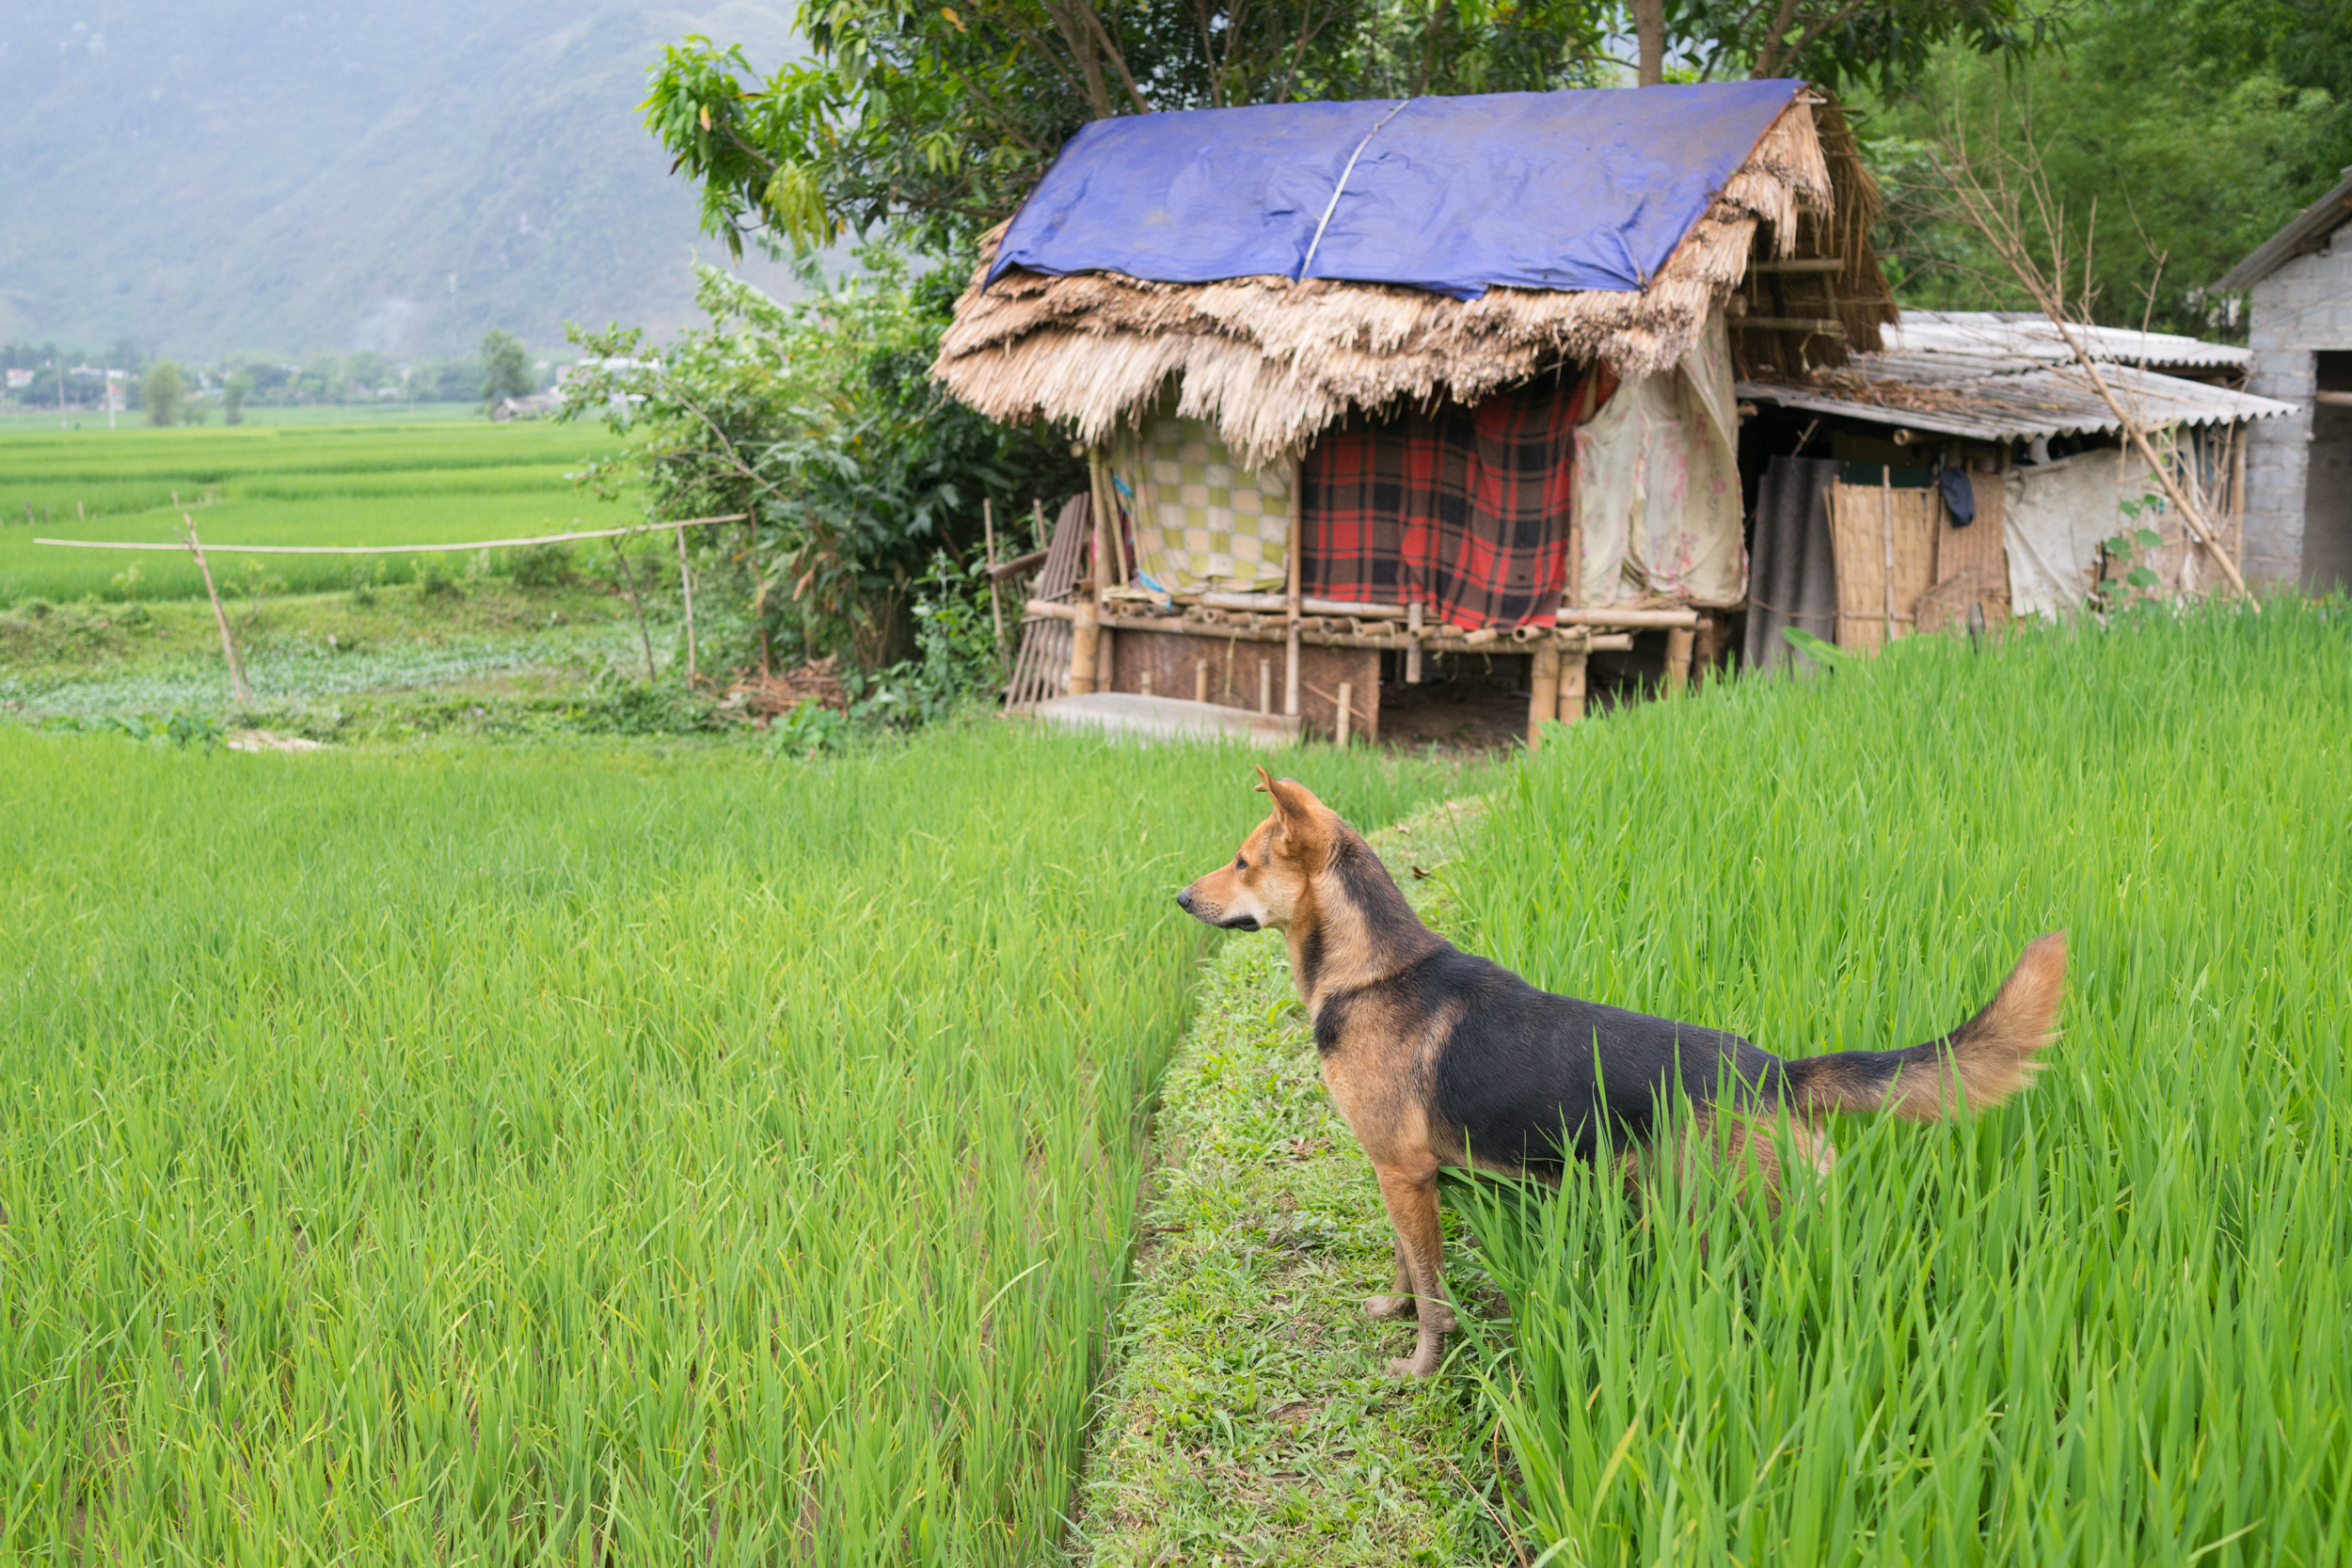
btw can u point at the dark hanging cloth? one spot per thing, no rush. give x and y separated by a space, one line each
1792 575
1462 511
1960 496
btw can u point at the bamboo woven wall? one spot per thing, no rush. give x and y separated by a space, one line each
1885 541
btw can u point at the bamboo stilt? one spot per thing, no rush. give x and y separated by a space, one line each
1572 686
1678 644
1086 636
1200 680
1347 706
1543 702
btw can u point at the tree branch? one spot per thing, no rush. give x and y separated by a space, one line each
1767 59
1080 41
1119 61
1797 50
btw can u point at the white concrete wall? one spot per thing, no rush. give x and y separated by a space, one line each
2299 310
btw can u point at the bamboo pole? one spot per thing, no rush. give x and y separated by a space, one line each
686 589
1413 648
995 598
237 686
2237 486
1200 680
1886 524
1290 664
1106 499
1265 686
1347 706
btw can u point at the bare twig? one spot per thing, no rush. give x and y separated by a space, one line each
1994 201
629 576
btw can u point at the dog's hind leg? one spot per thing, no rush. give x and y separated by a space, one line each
1412 1196
1392 1307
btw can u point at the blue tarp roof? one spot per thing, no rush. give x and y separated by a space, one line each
1589 189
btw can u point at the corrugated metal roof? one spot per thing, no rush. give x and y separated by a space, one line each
2048 402
2018 341
2305 234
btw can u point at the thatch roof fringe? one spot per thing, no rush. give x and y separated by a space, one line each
1273 361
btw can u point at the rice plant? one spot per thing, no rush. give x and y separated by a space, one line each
2104 1324
384 484
582 1155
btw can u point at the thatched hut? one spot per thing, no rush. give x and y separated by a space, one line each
1367 384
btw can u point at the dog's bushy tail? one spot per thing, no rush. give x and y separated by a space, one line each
1984 1061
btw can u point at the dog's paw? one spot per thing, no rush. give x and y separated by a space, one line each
1386 1306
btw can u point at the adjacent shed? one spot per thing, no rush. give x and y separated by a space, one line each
2299 509
1969 470
1368 383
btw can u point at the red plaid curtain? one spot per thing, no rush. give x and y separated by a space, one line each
1463 511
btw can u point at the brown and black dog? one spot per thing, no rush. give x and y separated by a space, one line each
1431 1053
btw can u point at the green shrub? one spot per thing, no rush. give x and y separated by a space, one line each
435 576
541 565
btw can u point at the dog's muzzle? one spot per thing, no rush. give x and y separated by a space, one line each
1191 906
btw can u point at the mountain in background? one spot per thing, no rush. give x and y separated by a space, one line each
279 178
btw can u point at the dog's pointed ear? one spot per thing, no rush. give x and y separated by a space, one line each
1294 807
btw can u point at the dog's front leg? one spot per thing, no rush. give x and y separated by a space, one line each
1411 1194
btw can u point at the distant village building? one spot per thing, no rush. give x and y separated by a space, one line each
2299 505
531 407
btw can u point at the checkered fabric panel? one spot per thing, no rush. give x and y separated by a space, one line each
1201 519
1463 511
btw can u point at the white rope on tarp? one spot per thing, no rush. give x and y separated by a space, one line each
1333 205
400 549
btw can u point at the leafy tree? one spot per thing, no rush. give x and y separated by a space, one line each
233 395
938 119
367 370
2179 134
820 418
505 368
162 393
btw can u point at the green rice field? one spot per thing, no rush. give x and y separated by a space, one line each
381 481
563 1153
2104 1324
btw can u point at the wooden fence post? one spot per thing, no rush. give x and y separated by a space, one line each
242 692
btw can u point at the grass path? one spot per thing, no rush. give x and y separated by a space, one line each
1246 1419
